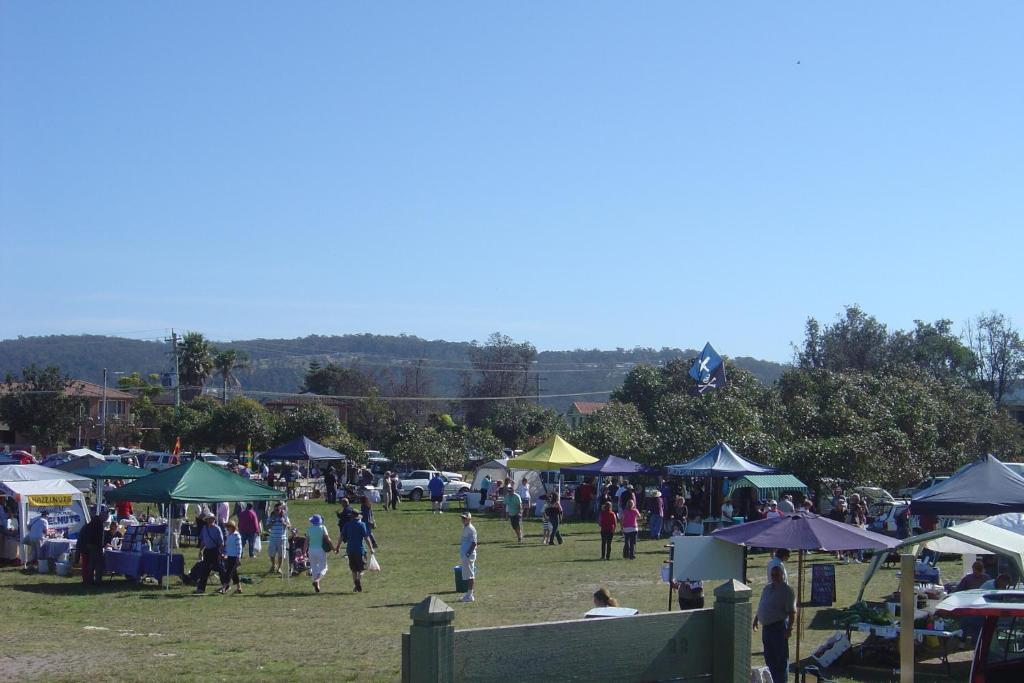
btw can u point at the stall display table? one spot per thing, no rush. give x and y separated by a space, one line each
53 548
137 565
886 638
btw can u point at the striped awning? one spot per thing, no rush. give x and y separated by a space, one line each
769 485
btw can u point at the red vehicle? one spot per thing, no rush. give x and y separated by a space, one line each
999 653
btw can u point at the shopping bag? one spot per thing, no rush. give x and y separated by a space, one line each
373 565
257 544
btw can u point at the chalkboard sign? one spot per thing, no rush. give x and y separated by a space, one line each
823 584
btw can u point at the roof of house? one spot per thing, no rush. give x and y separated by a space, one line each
79 388
588 407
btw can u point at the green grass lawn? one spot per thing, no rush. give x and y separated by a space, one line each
54 629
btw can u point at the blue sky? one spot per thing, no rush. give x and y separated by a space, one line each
576 174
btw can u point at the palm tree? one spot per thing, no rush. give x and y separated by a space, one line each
226 362
195 363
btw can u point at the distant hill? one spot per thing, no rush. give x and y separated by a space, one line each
278 365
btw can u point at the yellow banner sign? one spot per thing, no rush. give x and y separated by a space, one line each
50 500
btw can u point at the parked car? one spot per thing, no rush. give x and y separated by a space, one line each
154 461
213 459
999 653
878 500
414 486
925 483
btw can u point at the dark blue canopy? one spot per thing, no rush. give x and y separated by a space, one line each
985 487
720 461
302 448
608 465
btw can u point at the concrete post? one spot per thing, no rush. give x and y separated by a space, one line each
431 643
732 639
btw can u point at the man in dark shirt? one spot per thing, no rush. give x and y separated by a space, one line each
211 544
90 543
975 579
345 515
331 484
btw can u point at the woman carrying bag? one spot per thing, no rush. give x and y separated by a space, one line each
319 545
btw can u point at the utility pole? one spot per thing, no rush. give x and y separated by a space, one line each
103 411
177 379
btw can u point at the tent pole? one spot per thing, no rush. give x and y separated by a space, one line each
799 613
167 540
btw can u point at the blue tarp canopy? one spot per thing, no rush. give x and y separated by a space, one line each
984 487
720 461
302 448
609 465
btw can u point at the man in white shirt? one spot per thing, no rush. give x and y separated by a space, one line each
781 555
467 551
37 531
786 504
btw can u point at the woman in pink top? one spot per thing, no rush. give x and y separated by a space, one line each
249 527
630 527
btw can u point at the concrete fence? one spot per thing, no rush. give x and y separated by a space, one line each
711 643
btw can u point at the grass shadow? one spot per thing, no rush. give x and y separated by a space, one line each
73 589
395 604
824 618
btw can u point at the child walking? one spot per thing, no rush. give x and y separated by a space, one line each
232 558
545 524
607 521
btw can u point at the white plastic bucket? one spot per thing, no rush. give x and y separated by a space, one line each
63 568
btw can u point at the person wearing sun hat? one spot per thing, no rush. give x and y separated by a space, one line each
467 551
656 513
232 558
317 539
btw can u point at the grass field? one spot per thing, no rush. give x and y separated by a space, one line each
54 629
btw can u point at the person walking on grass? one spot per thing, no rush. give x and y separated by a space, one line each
356 536
607 521
366 510
232 559
211 548
630 528
554 513
385 491
393 482
514 507
277 544
524 494
467 553
317 542
249 528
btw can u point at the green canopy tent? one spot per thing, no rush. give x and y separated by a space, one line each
193 482
110 470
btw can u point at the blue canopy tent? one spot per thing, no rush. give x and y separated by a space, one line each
721 462
609 465
984 487
302 448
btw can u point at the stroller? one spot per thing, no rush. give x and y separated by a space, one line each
298 554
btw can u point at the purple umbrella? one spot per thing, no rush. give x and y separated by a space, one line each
803 531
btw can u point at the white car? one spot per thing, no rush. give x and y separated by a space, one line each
414 486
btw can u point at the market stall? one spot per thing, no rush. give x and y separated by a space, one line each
497 470
718 463
304 450
40 473
107 471
610 465
66 513
192 482
552 456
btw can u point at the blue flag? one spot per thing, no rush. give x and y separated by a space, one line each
707 371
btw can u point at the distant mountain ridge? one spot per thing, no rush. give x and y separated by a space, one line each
279 365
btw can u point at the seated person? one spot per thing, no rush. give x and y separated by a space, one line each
603 598
1000 583
112 532
975 579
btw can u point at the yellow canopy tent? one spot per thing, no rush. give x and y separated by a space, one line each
553 454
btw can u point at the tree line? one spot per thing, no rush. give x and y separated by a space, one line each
859 405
